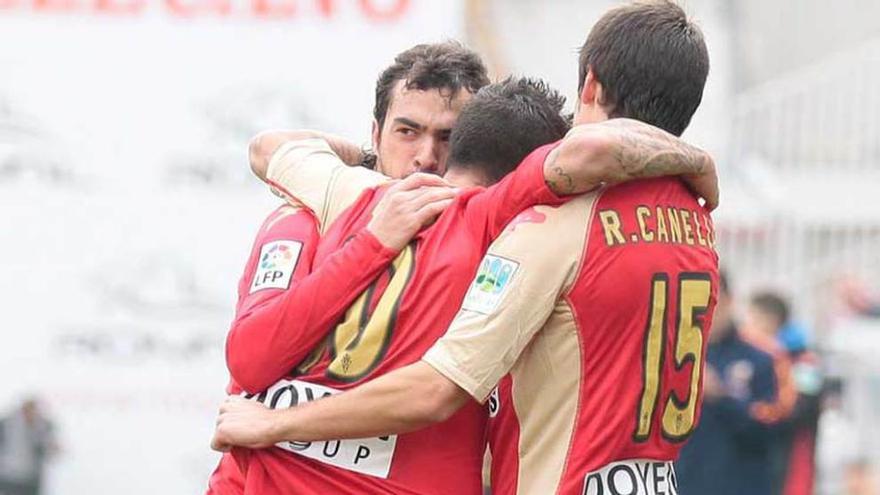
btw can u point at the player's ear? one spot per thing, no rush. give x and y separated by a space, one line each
591 94
376 135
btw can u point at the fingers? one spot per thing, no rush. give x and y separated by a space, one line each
714 199
706 187
429 212
219 445
237 400
410 201
712 203
230 402
428 195
399 216
218 441
418 180
711 194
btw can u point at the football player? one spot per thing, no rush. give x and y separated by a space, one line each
413 305
588 320
418 98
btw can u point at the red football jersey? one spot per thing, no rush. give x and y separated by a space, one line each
276 321
592 319
227 478
293 234
390 326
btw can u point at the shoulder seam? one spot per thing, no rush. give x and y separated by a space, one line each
585 249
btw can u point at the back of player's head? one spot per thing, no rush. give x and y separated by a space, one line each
771 304
449 67
503 123
652 63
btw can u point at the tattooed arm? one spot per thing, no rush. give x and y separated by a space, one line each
620 150
264 145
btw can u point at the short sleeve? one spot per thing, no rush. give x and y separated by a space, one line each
307 172
516 289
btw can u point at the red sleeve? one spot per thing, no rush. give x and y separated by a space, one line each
492 209
280 317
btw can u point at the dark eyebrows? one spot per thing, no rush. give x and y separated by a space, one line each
409 123
419 127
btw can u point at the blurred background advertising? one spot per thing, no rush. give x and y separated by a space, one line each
127 208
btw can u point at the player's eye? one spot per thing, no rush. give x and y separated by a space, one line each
407 131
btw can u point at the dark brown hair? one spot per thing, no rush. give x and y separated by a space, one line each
652 63
448 66
772 304
503 123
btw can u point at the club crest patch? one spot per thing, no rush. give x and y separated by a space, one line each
276 265
493 278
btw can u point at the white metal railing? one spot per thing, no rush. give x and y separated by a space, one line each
828 113
800 259
818 123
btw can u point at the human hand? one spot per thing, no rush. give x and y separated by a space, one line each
407 207
245 423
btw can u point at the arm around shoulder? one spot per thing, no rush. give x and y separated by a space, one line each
621 150
265 144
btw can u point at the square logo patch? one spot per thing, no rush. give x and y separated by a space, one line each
493 278
276 265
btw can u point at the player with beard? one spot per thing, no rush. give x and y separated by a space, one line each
418 98
411 306
590 318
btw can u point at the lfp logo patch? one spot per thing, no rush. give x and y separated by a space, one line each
487 289
276 264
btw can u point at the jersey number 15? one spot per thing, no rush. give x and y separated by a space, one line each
678 414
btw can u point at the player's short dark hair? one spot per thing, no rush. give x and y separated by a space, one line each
448 66
652 63
503 123
772 304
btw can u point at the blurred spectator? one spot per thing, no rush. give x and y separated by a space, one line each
26 442
795 452
794 337
856 297
744 399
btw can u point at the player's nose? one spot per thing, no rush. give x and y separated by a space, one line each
428 158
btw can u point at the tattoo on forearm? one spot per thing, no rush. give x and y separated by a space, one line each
643 151
629 150
560 181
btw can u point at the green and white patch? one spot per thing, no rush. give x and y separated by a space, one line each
493 278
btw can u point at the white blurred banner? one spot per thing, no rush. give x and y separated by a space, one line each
127 211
